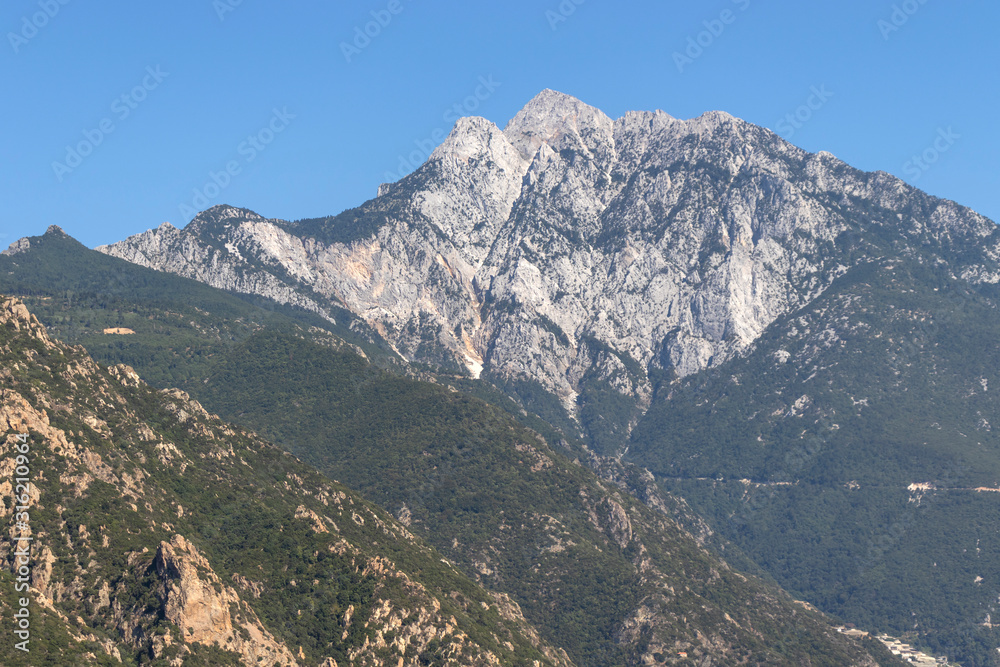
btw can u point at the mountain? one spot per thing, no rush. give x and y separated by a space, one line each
161 535
588 256
596 572
699 298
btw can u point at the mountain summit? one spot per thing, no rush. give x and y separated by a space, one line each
586 255
560 122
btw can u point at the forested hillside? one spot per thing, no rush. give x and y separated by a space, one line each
597 572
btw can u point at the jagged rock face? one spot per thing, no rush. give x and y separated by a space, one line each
163 452
199 604
671 243
873 401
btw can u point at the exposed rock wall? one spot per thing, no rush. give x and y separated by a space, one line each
672 243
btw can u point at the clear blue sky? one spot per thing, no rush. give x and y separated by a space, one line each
222 78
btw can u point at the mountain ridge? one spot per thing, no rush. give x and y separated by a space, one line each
617 253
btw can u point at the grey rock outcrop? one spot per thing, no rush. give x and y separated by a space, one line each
572 249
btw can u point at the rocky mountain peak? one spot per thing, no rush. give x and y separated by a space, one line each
221 216
222 211
23 244
562 122
606 248
199 601
477 138
648 121
17 246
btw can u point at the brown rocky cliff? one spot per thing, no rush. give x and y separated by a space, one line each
201 606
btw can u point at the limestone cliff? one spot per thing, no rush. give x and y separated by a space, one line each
577 251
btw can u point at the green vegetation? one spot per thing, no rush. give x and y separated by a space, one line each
363 222
351 225
144 466
49 643
463 475
450 460
887 380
